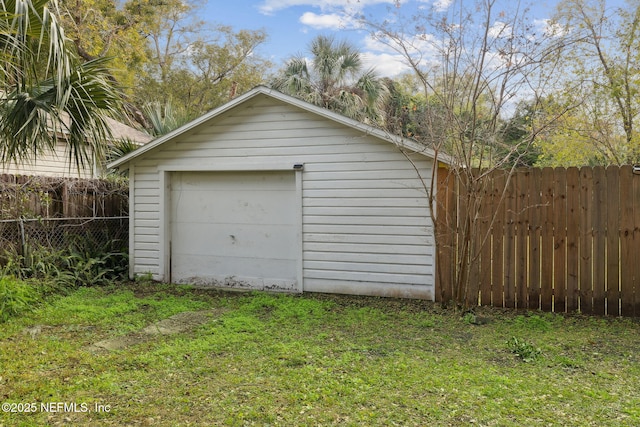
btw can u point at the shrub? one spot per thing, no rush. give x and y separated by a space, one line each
77 266
83 269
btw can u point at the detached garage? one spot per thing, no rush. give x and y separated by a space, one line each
271 193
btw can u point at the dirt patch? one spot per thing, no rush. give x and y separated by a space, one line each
181 322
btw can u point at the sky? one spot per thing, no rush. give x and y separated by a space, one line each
292 24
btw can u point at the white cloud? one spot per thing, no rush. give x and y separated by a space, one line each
331 21
548 28
268 7
421 47
386 58
371 43
385 64
442 5
499 29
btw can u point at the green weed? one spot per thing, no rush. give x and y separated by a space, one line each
16 297
534 322
144 279
524 350
469 318
569 363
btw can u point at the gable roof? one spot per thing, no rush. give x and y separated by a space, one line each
263 90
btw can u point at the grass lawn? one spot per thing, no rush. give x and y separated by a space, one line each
268 359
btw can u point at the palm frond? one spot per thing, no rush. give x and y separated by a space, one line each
40 106
164 118
121 148
333 78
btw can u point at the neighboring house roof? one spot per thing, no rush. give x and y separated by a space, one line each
120 130
55 161
262 90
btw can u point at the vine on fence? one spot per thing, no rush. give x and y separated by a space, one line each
51 197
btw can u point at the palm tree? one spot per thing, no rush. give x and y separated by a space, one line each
334 78
164 118
46 95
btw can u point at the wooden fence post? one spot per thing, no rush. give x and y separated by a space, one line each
599 218
613 240
445 238
628 248
586 239
572 239
535 235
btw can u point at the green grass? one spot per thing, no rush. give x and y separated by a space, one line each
271 359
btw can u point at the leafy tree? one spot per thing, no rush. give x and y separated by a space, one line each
515 132
102 28
46 95
194 66
162 52
572 141
409 113
567 147
209 74
334 78
563 137
605 79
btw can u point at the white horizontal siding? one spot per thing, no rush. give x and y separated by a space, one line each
148 206
292 153
376 184
53 163
142 237
367 227
342 203
360 211
408 248
358 285
317 179
389 164
144 246
149 201
367 220
145 216
356 193
334 226
342 277
335 255
366 224
369 239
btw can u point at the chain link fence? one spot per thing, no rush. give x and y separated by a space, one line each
61 231
107 233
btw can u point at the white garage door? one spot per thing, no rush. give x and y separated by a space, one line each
235 229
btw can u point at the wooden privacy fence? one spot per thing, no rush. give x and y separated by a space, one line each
48 197
560 240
